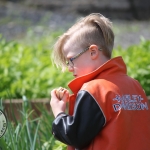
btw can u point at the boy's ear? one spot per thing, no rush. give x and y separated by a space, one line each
94 51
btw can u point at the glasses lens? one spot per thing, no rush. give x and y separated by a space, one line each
69 63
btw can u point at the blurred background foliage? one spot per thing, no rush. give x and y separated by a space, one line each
29 30
136 58
27 69
28 34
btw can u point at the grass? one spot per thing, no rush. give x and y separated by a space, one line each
30 133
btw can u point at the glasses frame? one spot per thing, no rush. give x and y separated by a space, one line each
79 54
73 58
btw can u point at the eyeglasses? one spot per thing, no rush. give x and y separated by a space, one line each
70 62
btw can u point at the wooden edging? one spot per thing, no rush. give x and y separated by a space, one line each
36 101
16 105
19 101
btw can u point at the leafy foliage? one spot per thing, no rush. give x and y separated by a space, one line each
28 70
137 60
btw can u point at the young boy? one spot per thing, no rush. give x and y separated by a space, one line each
108 109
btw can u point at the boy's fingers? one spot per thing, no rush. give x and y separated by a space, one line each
65 96
53 93
60 92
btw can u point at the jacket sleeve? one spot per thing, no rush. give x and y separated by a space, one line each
87 121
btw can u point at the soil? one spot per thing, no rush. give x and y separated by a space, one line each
16 21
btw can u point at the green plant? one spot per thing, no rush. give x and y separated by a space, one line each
26 69
136 58
30 132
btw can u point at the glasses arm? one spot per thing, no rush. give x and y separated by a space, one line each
71 59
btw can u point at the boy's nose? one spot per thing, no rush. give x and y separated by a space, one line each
70 68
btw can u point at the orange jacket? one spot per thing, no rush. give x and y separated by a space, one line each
123 103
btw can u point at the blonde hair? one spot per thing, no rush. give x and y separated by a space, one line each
93 29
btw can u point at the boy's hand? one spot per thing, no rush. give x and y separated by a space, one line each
60 92
58 104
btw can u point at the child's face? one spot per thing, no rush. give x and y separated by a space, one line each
81 62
